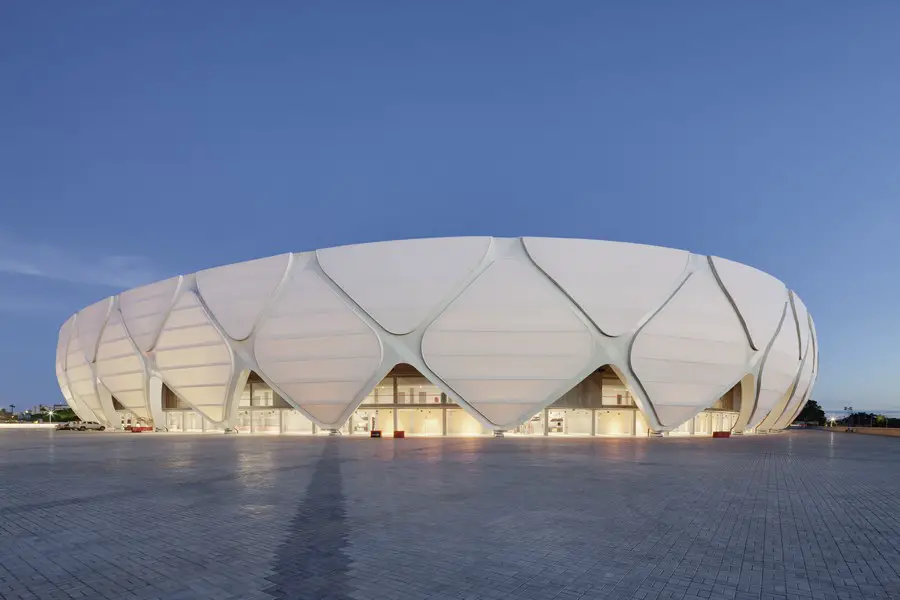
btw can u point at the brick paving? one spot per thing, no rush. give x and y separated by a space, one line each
177 517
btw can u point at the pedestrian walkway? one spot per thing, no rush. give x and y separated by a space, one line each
800 515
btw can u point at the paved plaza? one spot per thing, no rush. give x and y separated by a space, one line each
799 515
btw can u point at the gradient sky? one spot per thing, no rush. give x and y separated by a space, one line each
139 140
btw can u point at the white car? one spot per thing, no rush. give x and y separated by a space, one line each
85 425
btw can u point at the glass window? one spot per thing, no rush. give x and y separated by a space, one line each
569 421
261 395
683 429
193 421
703 423
295 422
175 420
616 394
533 426
382 394
640 424
243 422
362 422
417 390
266 421
615 422
421 421
459 422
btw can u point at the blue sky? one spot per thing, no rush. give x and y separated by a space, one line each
139 140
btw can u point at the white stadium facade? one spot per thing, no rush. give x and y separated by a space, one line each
449 336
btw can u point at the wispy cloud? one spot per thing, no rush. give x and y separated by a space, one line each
31 306
50 261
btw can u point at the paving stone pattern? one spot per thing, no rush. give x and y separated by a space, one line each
799 515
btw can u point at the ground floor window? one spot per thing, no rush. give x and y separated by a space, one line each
448 419
175 420
616 422
295 422
421 421
534 426
569 421
459 422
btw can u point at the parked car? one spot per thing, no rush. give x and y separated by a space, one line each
65 426
93 425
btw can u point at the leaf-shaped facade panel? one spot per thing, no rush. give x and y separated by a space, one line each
62 348
510 344
690 352
400 283
615 283
62 345
318 352
758 297
802 316
814 349
237 294
797 395
89 325
82 382
120 367
145 308
778 371
815 342
194 359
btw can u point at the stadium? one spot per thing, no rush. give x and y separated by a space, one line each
449 336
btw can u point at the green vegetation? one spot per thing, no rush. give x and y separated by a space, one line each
864 419
812 413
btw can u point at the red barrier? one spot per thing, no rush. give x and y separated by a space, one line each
721 434
399 434
375 433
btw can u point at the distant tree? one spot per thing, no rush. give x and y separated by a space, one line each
66 414
881 421
812 412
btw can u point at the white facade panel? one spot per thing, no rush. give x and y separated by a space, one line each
814 349
537 345
798 394
802 316
120 367
237 294
194 359
62 349
691 352
778 371
400 283
82 382
145 308
62 345
89 324
505 325
316 349
758 297
615 283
